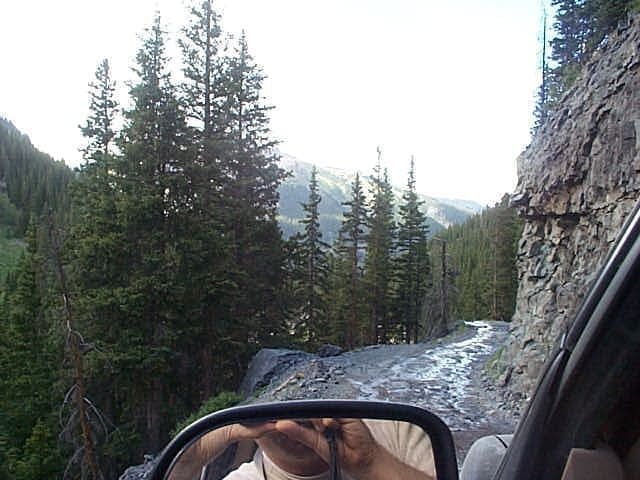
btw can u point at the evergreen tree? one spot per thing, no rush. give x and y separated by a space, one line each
483 252
412 262
95 247
339 286
542 106
99 129
32 181
580 27
378 274
78 423
131 211
351 247
251 178
312 271
203 67
152 208
209 261
506 233
94 192
30 358
440 299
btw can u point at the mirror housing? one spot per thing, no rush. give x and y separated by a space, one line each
439 434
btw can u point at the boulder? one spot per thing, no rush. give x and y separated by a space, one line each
329 350
267 364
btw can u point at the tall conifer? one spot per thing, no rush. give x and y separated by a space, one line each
312 270
30 363
251 177
351 247
208 263
413 266
378 274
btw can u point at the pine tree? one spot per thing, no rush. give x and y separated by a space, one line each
251 177
250 164
78 426
155 200
202 66
505 236
412 263
94 246
99 128
378 274
208 260
580 26
131 211
543 100
33 182
93 193
339 286
482 252
312 271
351 247
30 363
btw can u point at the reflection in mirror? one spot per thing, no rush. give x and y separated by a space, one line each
328 448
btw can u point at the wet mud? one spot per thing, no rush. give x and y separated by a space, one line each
446 377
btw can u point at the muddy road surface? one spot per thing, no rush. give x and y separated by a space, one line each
446 377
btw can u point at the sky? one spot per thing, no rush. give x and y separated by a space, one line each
452 83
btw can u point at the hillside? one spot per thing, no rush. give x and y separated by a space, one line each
334 189
31 182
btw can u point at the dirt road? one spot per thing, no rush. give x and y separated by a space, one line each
445 377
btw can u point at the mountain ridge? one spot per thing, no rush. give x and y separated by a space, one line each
335 184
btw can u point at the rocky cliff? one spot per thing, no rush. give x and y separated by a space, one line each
578 180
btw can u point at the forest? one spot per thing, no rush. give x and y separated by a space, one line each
137 288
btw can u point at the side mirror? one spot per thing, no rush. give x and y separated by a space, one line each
333 439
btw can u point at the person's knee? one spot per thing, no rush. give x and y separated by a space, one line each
484 457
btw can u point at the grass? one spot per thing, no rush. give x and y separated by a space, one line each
495 366
460 327
10 251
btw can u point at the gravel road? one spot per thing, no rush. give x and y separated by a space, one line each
446 377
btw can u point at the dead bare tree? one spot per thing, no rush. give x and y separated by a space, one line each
83 411
437 302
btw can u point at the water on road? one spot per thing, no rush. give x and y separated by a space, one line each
445 378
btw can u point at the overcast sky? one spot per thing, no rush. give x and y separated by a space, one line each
451 82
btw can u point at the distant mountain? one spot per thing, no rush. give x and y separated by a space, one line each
335 185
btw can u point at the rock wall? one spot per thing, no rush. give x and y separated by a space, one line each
577 182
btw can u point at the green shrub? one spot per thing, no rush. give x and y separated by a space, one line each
219 402
494 366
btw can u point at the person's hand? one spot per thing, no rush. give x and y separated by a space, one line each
357 451
356 447
247 431
212 444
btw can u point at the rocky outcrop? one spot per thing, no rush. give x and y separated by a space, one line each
577 182
267 364
140 472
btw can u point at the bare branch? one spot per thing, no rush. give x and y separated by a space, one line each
98 415
73 460
74 339
65 402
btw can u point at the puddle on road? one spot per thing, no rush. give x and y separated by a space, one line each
438 379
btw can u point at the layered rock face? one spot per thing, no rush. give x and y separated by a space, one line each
578 181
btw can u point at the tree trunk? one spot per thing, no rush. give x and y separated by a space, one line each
74 344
